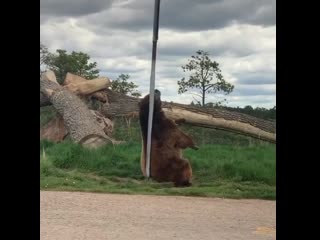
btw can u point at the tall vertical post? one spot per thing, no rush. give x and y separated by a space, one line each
152 83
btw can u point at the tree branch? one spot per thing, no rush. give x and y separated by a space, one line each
210 85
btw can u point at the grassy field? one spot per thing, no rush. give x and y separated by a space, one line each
226 165
219 170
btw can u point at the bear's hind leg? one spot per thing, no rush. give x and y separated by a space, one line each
183 174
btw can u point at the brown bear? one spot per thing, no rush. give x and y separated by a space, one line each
167 142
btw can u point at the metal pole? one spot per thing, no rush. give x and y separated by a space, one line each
152 82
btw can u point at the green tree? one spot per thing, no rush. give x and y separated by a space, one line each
273 112
43 53
259 112
76 62
248 108
44 56
205 75
121 85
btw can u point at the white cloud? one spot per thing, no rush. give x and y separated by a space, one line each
246 53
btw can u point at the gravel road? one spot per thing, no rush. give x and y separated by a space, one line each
95 216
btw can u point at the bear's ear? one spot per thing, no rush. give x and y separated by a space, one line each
157 94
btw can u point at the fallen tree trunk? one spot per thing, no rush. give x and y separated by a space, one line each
54 130
78 119
121 105
82 87
105 123
222 120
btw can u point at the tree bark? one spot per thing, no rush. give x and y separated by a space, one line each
121 105
79 121
218 119
82 87
203 95
54 130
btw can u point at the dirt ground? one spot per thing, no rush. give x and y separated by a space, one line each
73 215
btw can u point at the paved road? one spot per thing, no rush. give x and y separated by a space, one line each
73 215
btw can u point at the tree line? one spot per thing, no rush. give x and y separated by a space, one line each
259 112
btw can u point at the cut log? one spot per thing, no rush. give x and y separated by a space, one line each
78 119
79 86
224 122
100 96
49 76
105 123
89 86
72 80
121 105
54 130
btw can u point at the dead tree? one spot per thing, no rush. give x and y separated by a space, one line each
79 121
121 105
93 128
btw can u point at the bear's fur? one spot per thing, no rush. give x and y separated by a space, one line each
167 142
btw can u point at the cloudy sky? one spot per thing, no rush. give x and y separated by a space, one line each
239 34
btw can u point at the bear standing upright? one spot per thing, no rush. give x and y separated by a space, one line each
167 142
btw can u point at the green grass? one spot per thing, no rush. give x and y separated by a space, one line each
238 171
